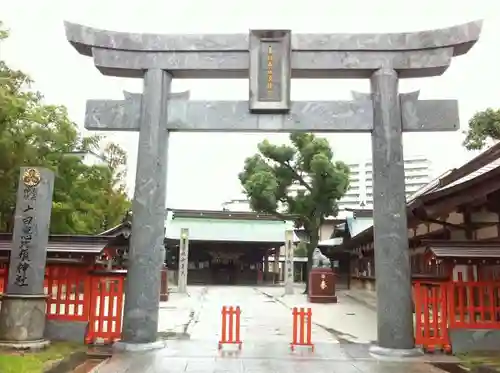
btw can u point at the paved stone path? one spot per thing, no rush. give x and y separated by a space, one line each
262 318
349 320
194 321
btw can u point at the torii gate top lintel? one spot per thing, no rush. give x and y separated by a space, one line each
122 54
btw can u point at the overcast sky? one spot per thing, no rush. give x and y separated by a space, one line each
203 167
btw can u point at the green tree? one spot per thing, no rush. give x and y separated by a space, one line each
110 179
3 33
87 199
300 250
483 125
307 164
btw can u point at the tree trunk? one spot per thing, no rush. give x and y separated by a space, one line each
313 243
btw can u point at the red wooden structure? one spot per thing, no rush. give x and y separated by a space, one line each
75 293
82 283
3 275
440 307
106 305
230 326
301 331
431 330
67 287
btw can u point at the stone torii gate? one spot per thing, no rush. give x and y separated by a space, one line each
270 58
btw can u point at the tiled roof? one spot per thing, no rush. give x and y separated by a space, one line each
205 229
358 225
331 242
67 247
486 162
483 170
466 252
302 235
428 188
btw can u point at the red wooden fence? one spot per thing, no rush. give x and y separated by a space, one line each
431 329
106 305
440 307
475 305
67 287
76 294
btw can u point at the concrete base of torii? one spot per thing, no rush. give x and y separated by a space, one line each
383 353
22 321
138 347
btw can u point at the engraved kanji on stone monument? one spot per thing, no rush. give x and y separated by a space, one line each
22 315
289 262
31 231
183 260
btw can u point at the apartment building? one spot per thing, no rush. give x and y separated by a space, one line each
418 173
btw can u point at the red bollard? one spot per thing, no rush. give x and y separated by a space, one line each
301 333
230 332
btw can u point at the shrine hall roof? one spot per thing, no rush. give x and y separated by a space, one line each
464 249
483 170
227 228
358 224
87 245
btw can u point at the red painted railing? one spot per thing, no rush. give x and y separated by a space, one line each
106 309
75 293
67 289
431 319
230 326
440 307
301 330
475 305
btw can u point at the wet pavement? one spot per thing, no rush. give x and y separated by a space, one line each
266 331
266 357
262 317
349 320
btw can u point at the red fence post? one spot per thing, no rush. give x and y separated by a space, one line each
106 308
301 328
4 276
230 326
295 313
440 307
431 316
309 327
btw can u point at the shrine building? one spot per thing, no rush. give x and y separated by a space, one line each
226 247
453 228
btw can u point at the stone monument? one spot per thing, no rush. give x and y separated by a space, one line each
182 273
321 280
270 59
289 262
22 315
